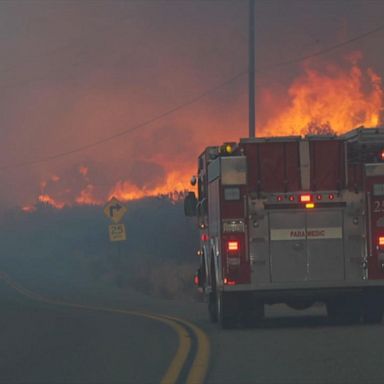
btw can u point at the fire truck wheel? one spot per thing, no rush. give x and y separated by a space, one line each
226 311
212 307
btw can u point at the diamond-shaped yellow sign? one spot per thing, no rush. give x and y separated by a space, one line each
115 210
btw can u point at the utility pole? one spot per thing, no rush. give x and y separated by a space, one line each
251 69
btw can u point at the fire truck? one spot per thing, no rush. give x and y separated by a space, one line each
294 220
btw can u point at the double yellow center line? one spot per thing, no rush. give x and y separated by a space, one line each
183 328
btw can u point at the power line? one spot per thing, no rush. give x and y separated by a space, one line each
125 131
326 50
189 102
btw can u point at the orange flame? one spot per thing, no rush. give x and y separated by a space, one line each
86 197
28 208
51 201
174 185
331 100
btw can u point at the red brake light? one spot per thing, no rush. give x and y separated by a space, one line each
229 282
319 197
382 155
381 241
291 198
331 196
233 246
204 237
305 198
280 198
196 280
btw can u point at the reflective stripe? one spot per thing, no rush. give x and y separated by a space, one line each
310 233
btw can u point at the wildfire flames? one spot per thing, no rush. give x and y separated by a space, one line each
325 99
333 99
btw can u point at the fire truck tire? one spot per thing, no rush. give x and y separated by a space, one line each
212 307
226 312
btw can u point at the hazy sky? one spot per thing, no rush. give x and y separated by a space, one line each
75 72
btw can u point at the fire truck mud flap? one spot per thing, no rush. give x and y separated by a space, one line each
235 309
227 310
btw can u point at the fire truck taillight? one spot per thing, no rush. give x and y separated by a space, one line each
204 237
233 246
227 281
305 198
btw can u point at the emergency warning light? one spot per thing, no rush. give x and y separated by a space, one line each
227 148
233 246
305 198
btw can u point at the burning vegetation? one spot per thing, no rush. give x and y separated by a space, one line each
327 98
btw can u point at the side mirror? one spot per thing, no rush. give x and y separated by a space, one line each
190 204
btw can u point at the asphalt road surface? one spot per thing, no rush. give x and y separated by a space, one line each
42 343
46 343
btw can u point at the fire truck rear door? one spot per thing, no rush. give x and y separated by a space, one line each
306 245
288 259
325 244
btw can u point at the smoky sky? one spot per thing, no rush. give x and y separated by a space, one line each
76 72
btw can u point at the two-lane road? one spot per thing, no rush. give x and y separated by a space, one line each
43 343
48 342
293 347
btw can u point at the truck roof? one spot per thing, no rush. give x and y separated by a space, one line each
360 133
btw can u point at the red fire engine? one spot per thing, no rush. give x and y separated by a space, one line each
292 220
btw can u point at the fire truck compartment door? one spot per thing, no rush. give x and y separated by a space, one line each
306 245
288 258
325 245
